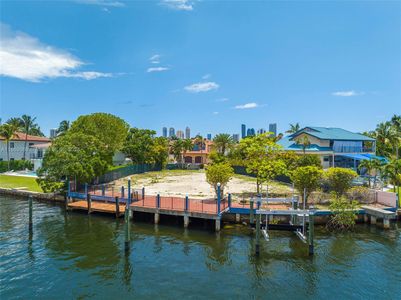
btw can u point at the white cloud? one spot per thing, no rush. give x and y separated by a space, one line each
222 100
201 87
247 106
111 3
347 93
206 76
187 5
25 57
215 112
157 69
155 59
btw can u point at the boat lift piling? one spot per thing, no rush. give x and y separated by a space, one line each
301 220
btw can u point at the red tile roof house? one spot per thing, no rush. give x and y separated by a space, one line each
35 147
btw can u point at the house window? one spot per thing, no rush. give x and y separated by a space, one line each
31 144
326 158
40 153
11 158
11 144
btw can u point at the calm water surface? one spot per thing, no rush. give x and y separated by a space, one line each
78 256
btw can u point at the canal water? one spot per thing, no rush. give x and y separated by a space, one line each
76 256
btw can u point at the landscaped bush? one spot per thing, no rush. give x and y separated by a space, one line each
344 213
361 194
16 165
340 180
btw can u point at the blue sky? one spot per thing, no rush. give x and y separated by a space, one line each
206 64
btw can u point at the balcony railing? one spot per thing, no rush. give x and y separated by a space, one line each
350 149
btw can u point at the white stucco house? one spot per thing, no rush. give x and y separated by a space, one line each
35 147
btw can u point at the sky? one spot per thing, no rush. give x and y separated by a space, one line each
209 65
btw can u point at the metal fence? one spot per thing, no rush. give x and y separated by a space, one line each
126 171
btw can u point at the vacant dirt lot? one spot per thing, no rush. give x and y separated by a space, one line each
193 184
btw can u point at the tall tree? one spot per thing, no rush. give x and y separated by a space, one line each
200 142
303 142
108 129
160 151
223 142
16 123
293 128
138 145
28 123
7 131
177 148
370 165
63 127
392 171
186 146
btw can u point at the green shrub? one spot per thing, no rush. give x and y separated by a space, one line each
51 186
340 180
361 194
344 213
16 165
306 178
309 160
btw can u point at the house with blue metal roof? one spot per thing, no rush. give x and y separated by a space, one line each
335 146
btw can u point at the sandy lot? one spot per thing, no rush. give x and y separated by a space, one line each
193 184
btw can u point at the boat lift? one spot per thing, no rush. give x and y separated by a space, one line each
301 219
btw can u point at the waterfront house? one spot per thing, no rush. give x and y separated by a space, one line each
35 147
336 147
199 153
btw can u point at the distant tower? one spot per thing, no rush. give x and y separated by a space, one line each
243 131
53 133
273 129
209 136
236 137
261 131
171 132
180 134
187 133
165 132
250 132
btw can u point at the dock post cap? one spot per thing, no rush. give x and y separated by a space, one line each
218 184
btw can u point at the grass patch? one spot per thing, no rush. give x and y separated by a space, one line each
19 182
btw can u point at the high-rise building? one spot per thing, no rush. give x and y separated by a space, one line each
243 131
261 131
180 134
164 131
250 132
171 132
53 133
273 129
209 136
236 137
187 133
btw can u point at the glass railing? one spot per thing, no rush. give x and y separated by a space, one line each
350 149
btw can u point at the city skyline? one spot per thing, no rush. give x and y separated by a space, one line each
169 74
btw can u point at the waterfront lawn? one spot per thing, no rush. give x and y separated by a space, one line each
19 182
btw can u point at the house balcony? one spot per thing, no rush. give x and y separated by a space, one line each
351 149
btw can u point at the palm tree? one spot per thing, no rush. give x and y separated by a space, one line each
293 128
370 165
7 132
392 171
16 123
223 142
63 127
27 124
396 125
385 136
303 142
186 146
176 149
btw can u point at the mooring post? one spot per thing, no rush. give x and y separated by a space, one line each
251 212
186 203
127 228
30 213
143 193
103 190
122 192
311 231
294 217
89 201
257 244
129 191
229 200
218 197
117 207
86 189
158 200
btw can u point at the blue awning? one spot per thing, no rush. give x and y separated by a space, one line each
363 156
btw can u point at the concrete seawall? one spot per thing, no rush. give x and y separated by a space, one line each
53 197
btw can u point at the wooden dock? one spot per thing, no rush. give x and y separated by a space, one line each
97 206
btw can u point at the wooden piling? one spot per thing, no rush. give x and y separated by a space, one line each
117 207
257 244
89 201
311 233
127 229
30 213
